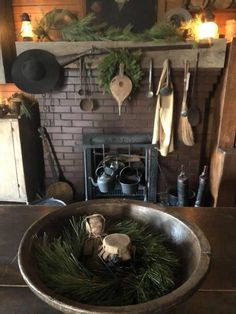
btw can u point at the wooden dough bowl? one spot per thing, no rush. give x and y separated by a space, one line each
186 238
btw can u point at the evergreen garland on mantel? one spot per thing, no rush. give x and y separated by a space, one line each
82 29
62 267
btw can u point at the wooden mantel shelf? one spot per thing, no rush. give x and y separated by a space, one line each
211 56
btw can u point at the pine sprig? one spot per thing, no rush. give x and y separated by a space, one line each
82 30
151 254
117 33
62 267
25 103
162 31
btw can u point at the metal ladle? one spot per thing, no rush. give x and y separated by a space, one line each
167 88
81 90
194 114
150 91
87 104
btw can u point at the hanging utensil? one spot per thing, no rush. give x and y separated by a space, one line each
150 87
121 87
81 66
194 115
185 132
166 89
90 86
163 122
87 104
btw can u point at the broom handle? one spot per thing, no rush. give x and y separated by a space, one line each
195 74
184 108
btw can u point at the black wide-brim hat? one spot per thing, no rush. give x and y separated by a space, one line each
36 71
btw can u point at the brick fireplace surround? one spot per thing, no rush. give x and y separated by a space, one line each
66 123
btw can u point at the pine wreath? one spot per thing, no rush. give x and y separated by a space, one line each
62 267
108 67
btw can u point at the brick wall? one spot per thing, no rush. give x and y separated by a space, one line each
66 123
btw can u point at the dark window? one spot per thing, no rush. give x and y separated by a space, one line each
140 13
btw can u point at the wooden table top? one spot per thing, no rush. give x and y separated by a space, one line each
217 295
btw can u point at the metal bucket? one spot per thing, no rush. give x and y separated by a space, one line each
129 180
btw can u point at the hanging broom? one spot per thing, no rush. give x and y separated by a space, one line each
185 130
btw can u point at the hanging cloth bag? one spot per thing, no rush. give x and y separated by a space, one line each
163 123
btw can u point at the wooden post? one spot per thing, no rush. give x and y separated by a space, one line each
7 41
223 177
227 130
223 174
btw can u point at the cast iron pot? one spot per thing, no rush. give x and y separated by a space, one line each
189 241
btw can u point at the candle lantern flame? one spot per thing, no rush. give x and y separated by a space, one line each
26 27
208 29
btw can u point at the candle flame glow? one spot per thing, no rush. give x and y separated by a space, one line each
208 30
26 30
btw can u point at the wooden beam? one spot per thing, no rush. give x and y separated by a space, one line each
7 41
212 57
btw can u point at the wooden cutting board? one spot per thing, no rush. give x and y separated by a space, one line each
121 87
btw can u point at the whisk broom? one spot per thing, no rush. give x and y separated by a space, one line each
185 131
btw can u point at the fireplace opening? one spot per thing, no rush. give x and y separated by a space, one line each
120 166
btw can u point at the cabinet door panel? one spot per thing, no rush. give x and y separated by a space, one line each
11 168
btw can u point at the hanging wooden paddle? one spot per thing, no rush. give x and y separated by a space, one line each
59 189
121 87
